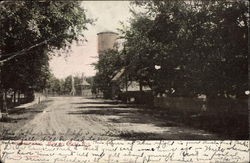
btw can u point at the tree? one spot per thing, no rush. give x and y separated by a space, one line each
54 85
138 51
154 40
30 31
198 45
110 62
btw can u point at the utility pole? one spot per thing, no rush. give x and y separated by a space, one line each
82 86
73 90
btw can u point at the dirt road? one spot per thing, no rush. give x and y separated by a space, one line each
79 118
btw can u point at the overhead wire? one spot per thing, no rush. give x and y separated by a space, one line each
23 51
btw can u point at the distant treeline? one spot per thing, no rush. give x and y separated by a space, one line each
57 86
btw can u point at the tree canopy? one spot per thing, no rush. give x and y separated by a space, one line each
109 63
30 31
188 48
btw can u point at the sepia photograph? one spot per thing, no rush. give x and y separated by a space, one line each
124 81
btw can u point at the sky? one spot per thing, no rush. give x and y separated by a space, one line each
108 15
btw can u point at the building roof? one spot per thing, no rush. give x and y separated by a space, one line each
135 86
84 83
118 75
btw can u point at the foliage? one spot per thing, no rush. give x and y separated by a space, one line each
64 86
200 47
139 52
55 85
109 64
28 23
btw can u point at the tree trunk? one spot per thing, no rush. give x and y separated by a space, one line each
140 85
5 107
1 100
18 97
14 98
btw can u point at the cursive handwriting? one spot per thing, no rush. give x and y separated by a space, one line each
124 151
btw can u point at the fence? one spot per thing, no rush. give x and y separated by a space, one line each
137 97
16 99
217 106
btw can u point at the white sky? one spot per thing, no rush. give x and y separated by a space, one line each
108 15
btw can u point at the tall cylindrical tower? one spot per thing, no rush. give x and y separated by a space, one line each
106 41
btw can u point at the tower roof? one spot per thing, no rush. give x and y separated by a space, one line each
84 83
107 32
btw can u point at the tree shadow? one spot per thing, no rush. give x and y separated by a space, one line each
101 107
36 108
140 136
12 120
125 114
19 111
104 110
143 120
163 136
95 102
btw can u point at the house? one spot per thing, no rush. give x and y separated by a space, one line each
130 91
85 88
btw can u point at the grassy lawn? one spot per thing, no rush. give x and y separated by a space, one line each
17 118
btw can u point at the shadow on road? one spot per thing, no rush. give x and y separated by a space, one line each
87 107
12 120
140 136
101 102
126 114
23 111
162 136
17 118
104 110
141 117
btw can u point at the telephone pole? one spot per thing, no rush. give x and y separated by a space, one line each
73 90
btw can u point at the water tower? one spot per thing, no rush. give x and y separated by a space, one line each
106 41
